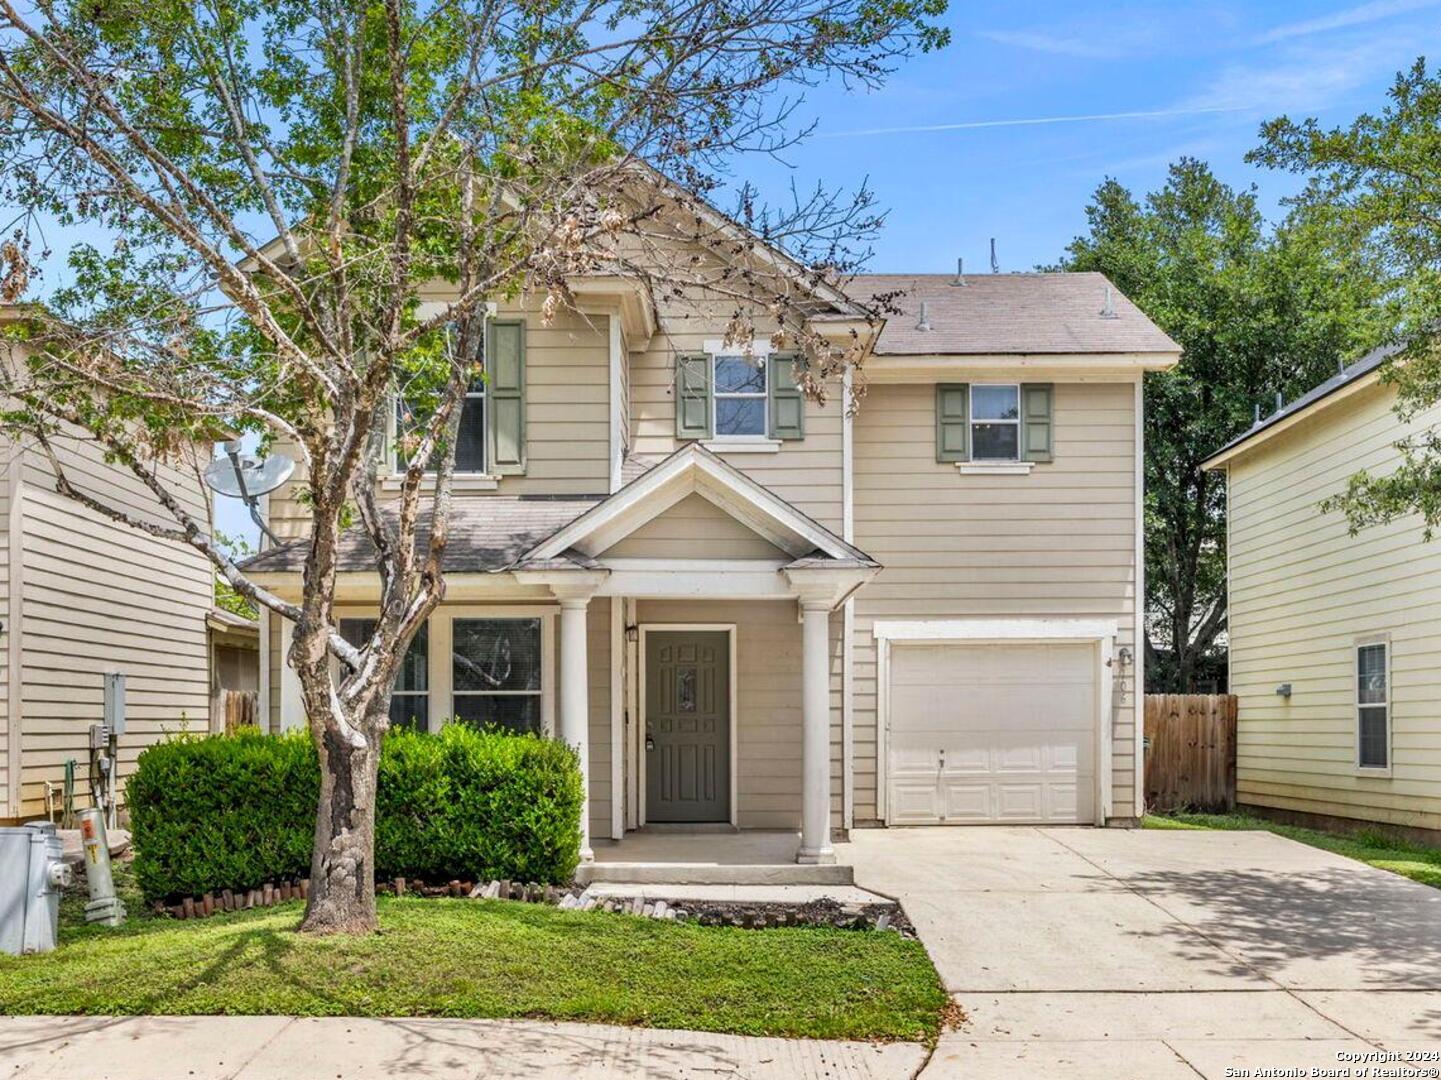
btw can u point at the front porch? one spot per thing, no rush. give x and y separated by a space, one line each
674 857
681 634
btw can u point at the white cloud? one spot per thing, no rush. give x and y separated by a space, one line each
1055 45
1375 11
1309 77
1033 121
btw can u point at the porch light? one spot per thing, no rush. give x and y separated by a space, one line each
632 633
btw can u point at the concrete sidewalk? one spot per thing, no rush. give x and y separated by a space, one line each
285 1048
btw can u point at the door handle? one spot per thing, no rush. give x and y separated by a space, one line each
649 743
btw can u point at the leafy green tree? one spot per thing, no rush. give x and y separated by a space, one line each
264 192
1257 312
1378 182
226 596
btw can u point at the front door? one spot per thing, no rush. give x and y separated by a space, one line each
687 725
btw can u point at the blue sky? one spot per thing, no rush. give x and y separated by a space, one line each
945 147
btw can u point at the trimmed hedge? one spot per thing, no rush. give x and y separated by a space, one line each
236 811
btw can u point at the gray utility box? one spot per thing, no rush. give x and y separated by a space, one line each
32 874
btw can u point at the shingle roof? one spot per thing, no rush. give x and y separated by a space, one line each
1359 370
486 534
1009 313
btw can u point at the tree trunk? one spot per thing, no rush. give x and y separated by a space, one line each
342 870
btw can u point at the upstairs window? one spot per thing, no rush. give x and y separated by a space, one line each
995 422
1373 706
740 397
470 444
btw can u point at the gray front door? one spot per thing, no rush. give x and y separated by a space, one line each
687 725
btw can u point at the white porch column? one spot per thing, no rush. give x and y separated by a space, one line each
575 702
816 738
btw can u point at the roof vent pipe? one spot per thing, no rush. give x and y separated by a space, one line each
1280 401
1108 305
925 320
1256 415
960 278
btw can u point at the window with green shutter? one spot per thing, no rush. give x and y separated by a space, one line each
1036 425
787 403
952 422
505 391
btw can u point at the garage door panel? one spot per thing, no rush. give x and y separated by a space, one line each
1001 733
914 803
966 802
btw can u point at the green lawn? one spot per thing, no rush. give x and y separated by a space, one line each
477 958
1415 861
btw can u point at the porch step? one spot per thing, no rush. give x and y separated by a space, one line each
671 873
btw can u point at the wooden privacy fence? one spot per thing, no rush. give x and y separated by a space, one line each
241 708
1191 752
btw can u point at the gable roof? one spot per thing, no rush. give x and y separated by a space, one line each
693 469
998 314
1353 377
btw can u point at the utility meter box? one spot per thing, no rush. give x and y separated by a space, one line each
32 874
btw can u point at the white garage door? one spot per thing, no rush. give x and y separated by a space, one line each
991 733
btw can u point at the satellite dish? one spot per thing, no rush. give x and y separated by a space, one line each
246 478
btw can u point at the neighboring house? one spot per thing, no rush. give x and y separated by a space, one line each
82 596
753 610
234 648
1334 638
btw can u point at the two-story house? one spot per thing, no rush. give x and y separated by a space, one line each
749 610
1334 637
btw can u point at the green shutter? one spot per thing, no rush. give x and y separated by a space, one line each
952 422
1036 423
692 397
505 394
787 403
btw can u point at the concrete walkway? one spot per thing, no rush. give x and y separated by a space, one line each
1084 953
281 1048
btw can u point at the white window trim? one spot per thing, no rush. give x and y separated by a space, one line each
1384 640
995 467
442 640
1100 632
991 464
743 444
484 480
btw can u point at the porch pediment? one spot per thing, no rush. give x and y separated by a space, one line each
693 476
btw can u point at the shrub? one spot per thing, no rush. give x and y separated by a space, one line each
222 812
236 811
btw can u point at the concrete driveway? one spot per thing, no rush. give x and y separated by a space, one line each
1119 953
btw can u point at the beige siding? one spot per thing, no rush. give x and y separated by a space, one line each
694 528
101 596
805 472
8 807
768 703
1058 542
567 415
1302 591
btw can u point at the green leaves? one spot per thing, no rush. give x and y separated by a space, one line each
1257 310
234 812
1377 182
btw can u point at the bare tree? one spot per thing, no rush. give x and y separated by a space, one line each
270 186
